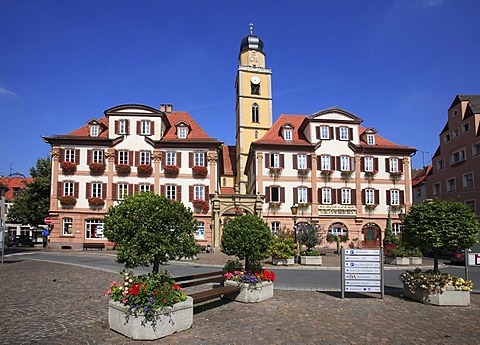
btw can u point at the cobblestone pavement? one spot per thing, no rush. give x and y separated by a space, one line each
50 303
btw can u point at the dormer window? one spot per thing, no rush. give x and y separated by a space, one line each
370 139
287 134
145 127
343 133
94 131
182 132
122 127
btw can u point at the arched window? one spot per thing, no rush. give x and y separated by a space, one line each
256 134
255 113
224 182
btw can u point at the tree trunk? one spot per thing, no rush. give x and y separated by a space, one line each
435 261
156 264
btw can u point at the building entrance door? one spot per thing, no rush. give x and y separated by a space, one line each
371 236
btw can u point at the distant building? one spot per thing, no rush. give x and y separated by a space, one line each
419 183
456 162
12 187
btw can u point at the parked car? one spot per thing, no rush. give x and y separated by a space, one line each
21 240
457 257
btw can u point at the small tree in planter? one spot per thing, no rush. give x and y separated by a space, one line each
283 248
247 237
149 229
440 224
338 239
309 236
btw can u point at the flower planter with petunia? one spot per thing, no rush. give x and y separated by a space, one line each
275 172
171 170
68 168
440 289
144 169
396 175
303 173
67 200
123 169
326 174
370 175
201 205
96 168
96 202
199 171
254 287
148 307
346 175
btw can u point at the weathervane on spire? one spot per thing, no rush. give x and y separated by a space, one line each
251 29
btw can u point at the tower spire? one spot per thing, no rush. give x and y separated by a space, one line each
251 29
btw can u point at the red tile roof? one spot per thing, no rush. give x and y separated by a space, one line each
274 134
420 175
13 183
381 142
229 160
196 133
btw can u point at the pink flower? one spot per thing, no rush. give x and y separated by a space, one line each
109 291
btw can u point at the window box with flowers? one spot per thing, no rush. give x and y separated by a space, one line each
303 173
148 307
326 174
199 171
274 205
254 287
67 200
396 175
370 175
303 206
171 170
370 208
96 168
346 175
68 168
275 171
201 205
123 169
144 169
94 201
440 289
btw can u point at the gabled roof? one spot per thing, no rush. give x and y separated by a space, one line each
196 133
274 134
420 175
13 183
348 117
229 160
381 142
84 131
473 100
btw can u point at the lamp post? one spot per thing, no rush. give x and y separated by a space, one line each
294 210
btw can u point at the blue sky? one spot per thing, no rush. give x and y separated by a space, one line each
396 64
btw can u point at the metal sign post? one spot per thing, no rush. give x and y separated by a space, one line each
362 271
2 240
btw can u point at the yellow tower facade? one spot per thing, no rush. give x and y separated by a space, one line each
253 103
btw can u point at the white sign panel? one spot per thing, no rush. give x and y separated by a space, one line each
362 258
363 276
362 252
362 289
473 259
362 282
362 264
361 270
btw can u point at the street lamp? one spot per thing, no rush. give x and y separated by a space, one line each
294 210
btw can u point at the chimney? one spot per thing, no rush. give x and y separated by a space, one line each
163 107
169 108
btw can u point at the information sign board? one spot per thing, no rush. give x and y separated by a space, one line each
473 259
362 271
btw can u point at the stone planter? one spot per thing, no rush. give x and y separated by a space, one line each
449 297
311 260
399 261
415 261
250 293
284 262
180 318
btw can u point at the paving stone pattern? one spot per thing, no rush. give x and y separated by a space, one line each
49 303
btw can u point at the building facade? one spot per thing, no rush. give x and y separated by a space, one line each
342 176
133 148
456 162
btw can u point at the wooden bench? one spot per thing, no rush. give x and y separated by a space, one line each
100 246
204 278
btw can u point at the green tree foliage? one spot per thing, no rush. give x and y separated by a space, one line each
439 225
309 235
247 237
388 230
283 246
31 206
150 229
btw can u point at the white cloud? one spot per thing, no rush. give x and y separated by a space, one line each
6 92
433 3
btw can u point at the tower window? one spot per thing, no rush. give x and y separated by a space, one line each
256 134
255 89
255 113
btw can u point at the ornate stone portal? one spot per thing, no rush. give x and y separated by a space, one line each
238 203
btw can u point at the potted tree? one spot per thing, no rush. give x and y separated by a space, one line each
248 238
309 236
283 249
162 229
437 224
337 239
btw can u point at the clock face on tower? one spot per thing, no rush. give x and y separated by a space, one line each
255 80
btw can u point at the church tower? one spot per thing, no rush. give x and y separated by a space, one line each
253 101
